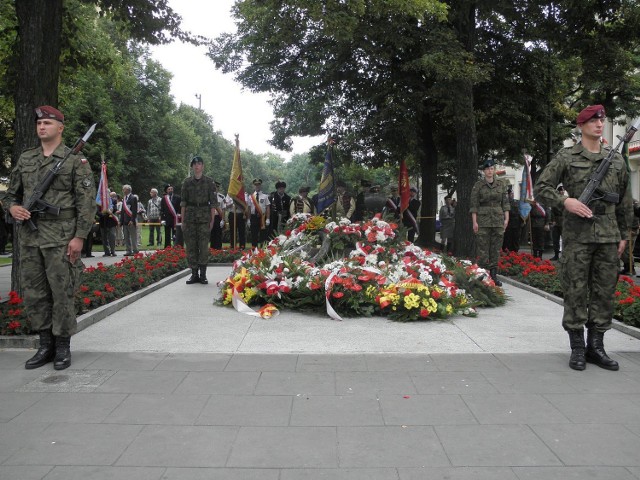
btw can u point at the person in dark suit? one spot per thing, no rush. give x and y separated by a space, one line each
170 214
128 216
280 203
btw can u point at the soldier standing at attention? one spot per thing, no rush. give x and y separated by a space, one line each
198 206
490 216
51 264
592 237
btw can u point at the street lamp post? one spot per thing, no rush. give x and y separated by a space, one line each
199 97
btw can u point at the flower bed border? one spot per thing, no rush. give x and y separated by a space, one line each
616 324
94 316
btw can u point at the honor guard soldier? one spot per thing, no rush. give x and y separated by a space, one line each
50 254
594 236
198 206
260 214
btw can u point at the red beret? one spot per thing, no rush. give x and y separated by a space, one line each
590 112
47 111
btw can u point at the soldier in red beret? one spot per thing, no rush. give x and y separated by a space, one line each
594 237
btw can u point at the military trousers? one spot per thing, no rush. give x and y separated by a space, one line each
589 275
196 239
49 283
488 245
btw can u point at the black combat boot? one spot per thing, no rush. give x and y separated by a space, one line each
46 351
63 353
194 278
556 255
576 340
494 276
595 351
203 275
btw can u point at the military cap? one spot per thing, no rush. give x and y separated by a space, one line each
257 181
304 189
489 162
280 184
47 111
196 159
166 187
592 111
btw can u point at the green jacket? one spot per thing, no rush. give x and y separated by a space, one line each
489 202
73 190
199 197
572 167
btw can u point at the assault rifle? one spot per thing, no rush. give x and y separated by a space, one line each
35 202
593 187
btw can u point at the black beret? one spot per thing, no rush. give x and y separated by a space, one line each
489 162
196 159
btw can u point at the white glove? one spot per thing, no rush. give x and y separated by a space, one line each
221 223
248 223
268 222
163 222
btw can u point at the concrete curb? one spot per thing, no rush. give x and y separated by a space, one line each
617 324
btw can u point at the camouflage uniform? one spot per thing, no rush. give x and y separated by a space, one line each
199 197
48 279
489 201
589 262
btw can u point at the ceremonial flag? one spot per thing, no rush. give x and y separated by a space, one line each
102 196
236 182
327 190
403 186
526 190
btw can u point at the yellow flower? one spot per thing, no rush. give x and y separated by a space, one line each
449 309
411 301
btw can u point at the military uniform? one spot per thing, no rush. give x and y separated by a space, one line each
513 232
198 197
489 201
589 261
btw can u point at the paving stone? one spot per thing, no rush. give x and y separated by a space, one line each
128 381
154 409
75 444
296 383
573 473
81 360
72 408
536 362
452 383
194 362
585 444
425 410
106 473
394 362
128 361
331 363
285 447
246 410
14 436
68 380
14 359
536 382
262 362
457 473
598 408
513 409
598 380
367 383
634 471
467 362
389 447
220 474
494 445
179 446
339 474
13 404
14 379
337 410
23 473
218 383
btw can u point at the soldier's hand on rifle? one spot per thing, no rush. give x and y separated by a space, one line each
18 212
575 206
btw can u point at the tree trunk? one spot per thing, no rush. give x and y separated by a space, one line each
466 140
39 47
429 170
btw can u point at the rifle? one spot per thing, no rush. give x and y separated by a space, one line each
593 187
35 202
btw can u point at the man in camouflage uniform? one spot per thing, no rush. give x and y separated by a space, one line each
594 237
490 216
50 256
198 206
